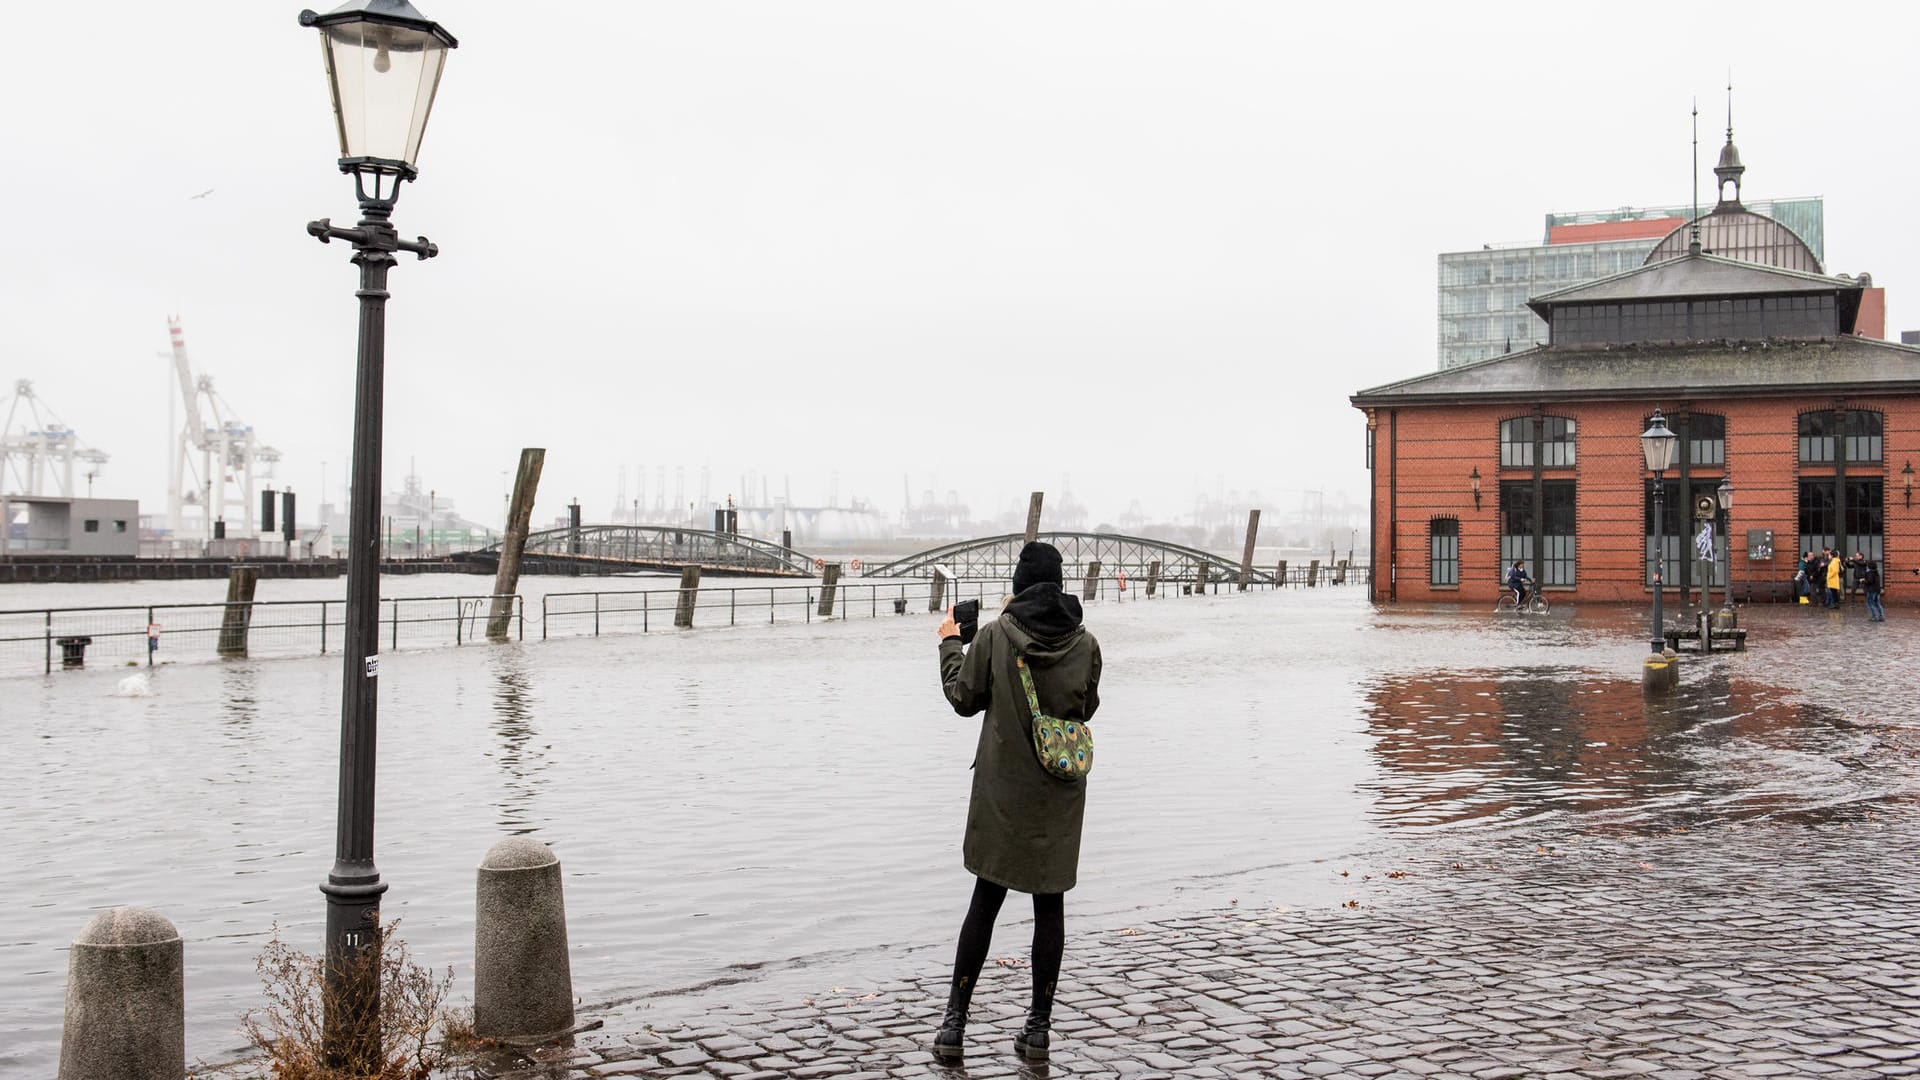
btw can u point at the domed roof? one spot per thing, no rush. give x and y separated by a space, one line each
1738 233
1729 156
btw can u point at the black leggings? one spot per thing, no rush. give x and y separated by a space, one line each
976 936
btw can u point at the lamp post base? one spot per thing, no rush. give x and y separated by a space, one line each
351 996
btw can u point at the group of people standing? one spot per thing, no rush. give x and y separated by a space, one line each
1827 576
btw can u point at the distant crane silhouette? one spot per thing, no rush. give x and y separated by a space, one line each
202 195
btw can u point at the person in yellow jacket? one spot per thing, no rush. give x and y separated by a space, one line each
1835 567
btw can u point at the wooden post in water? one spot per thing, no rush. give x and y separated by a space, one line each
513 543
1280 575
1200 579
937 591
1153 577
1093 580
689 592
1033 515
1246 554
1340 573
1313 573
829 584
239 613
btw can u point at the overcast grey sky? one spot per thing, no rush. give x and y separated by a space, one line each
1149 245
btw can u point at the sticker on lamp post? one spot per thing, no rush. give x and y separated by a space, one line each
373 666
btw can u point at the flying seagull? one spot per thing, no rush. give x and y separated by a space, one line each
202 195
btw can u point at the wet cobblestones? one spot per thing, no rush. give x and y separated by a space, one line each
1766 949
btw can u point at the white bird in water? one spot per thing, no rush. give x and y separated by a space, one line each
202 195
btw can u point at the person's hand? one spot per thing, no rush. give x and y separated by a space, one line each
949 628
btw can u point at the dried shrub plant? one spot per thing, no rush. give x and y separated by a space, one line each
290 1029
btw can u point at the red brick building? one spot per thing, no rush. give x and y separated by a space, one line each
1535 456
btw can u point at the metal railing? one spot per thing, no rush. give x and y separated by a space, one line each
593 613
119 635
39 638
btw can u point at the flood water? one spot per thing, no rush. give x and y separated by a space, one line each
794 794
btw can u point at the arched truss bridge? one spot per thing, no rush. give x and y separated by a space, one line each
612 549
995 557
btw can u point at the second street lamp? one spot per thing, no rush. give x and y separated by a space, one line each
1657 445
1724 496
383 61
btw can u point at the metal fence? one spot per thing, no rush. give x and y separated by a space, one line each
41 639
44 638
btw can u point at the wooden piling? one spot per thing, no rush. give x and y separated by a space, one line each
937 591
1246 554
1313 573
829 585
238 617
1153 577
1092 584
1280 574
1033 516
689 593
513 543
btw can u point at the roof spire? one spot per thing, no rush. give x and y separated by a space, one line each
1730 168
1693 246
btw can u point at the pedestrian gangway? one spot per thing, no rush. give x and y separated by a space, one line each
614 549
996 556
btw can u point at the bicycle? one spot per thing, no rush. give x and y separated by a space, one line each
1537 602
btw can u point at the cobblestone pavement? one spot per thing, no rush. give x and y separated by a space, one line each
1763 949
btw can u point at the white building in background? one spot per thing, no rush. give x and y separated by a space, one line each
50 525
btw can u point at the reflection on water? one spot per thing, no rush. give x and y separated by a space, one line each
521 760
1523 742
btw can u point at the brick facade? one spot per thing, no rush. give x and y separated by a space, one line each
1424 455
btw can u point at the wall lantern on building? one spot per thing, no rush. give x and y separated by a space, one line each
1476 484
1906 474
1657 444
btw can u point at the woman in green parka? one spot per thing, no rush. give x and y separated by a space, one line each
1023 824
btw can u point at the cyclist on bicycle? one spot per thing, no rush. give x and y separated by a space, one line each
1520 582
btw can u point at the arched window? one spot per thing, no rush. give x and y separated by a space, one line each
1861 434
1548 440
1816 437
1443 550
1706 439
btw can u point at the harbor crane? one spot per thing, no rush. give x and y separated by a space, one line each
217 459
41 456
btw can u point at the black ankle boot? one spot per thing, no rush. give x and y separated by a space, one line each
1033 1041
947 1042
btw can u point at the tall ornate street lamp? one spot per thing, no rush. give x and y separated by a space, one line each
1657 443
383 61
1724 495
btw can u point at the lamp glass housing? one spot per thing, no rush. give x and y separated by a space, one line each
1658 444
383 76
1724 493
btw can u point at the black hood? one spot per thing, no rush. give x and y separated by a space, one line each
1046 612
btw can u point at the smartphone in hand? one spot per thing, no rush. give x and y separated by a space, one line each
966 614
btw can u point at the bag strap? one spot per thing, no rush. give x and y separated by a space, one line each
1026 683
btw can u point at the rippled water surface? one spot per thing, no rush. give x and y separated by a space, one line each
731 798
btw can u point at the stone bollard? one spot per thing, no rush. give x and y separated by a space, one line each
126 1000
1660 672
522 982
